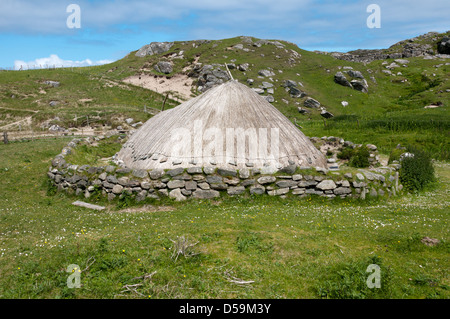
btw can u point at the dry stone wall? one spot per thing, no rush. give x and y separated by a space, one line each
210 182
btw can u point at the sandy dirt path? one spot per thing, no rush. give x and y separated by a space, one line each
181 84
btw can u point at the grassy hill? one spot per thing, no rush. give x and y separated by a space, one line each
391 112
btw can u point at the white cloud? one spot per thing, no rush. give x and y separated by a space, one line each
55 61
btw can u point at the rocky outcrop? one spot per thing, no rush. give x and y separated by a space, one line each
209 75
340 78
444 46
154 48
164 67
425 45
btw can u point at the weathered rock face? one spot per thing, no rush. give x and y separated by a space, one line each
340 78
164 67
360 85
209 75
444 46
311 103
404 49
154 48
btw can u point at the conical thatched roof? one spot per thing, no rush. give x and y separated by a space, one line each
229 126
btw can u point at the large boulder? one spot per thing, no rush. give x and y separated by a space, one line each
164 67
266 73
311 103
340 78
355 74
360 85
154 48
444 46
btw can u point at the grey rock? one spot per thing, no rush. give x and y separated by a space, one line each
177 195
205 194
140 173
266 73
295 92
302 110
146 185
342 190
298 191
444 46
359 185
111 179
156 173
176 184
219 186
164 67
175 171
204 186
326 114
154 48
327 184
209 170
117 189
248 182
311 103
355 74
124 181
269 98
226 172
236 190
214 179
286 183
54 84
340 78
280 191
190 185
194 170
244 173
231 180
243 67
360 85
266 180
290 169
257 190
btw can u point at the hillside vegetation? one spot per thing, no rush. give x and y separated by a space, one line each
391 112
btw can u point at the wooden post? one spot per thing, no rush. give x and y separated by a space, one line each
164 103
5 137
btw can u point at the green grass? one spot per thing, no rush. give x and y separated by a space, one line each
290 248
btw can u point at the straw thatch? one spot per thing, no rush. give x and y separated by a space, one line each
229 126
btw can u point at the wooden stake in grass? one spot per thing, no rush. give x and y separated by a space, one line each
164 103
5 138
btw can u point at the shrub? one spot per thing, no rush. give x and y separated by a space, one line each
395 155
357 157
360 158
346 153
416 171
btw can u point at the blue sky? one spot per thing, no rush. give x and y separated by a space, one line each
36 32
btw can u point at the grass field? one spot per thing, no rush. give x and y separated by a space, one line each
279 248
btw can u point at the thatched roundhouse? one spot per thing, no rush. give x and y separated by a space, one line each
229 126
